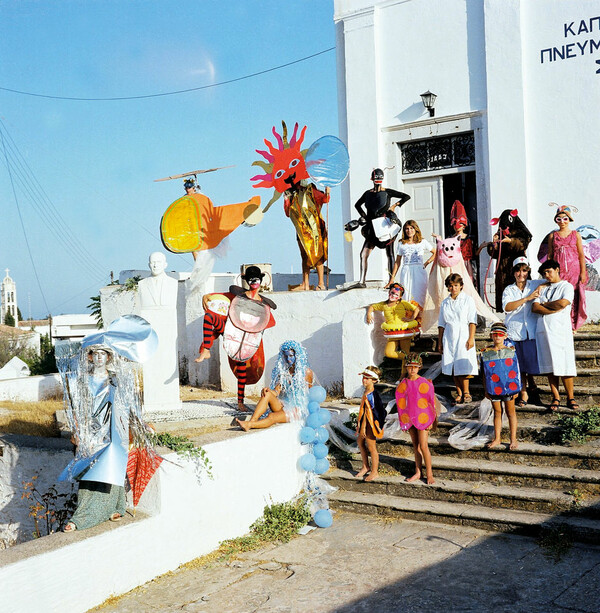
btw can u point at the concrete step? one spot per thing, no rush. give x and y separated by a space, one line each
586 395
499 520
469 492
540 429
582 457
563 479
587 358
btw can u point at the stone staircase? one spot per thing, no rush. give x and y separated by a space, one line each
542 483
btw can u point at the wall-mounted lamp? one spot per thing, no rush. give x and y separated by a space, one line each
428 101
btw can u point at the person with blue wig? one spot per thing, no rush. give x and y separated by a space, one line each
287 398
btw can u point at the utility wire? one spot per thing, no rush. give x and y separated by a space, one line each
172 93
22 224
47 211
26 170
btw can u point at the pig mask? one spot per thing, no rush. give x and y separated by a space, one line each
448 252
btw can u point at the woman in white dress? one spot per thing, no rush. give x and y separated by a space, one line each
410 254
456 337
521 323
554 334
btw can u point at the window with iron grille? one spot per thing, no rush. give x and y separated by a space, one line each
436 153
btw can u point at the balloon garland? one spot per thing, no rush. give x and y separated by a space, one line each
314 461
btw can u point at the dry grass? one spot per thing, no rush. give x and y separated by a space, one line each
208 392
31 418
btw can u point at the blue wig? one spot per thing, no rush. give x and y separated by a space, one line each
294 387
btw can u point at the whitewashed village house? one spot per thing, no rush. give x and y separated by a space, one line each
515 121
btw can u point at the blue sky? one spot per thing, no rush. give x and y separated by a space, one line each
92 164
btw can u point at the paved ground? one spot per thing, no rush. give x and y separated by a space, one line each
367 564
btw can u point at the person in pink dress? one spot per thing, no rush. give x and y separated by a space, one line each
566 247
417 413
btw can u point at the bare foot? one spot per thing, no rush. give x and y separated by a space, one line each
320 288
244 425
204 354
299 288
493 444
415 477
372 477
361 473
514 445
430 480
242 407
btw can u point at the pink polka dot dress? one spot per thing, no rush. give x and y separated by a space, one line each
416 403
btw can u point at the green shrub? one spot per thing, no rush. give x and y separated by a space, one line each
575 428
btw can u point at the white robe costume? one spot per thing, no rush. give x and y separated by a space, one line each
436 292
455 317
554 335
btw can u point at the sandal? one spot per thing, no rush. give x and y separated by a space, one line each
555 405
572 404
457 400
70 527
468 398
116 517
521 403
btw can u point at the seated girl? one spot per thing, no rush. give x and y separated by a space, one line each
287 398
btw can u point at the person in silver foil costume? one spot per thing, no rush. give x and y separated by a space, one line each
104 412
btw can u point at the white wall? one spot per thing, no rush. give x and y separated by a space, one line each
562 98
31 389
315 320
23 457
192 516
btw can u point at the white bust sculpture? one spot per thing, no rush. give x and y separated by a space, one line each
158 304
158 290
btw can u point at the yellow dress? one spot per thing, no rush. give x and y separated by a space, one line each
394 313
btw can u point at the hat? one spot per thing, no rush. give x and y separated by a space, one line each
520 260
498 327
563 209
252 272
458 215
369 373
414 359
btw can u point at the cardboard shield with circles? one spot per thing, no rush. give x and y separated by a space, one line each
243 331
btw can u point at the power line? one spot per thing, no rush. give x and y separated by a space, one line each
46 209
172 93
22 224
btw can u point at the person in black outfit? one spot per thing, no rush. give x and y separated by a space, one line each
373 204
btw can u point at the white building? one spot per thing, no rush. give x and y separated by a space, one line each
8 299
516 116
73 327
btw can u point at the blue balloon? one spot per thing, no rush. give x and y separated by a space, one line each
317 394
321 466
321 435
308 462
324 417
328 161
320 451
313 407
307 435
313 420
323 518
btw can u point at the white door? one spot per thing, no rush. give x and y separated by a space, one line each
425 205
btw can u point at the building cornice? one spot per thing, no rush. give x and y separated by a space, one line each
432 121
